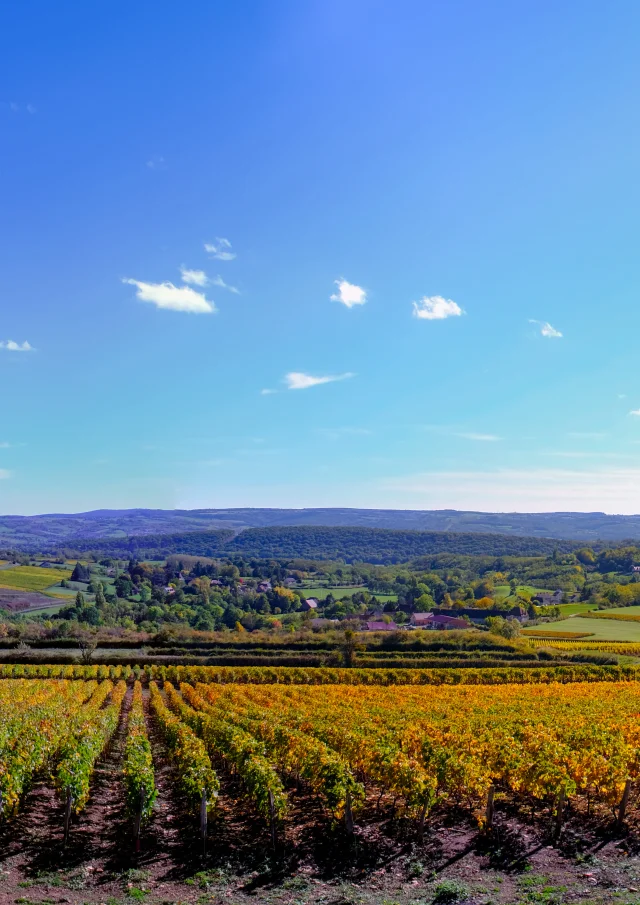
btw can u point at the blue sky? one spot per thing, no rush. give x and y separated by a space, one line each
474 164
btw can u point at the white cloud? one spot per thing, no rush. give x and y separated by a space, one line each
520 490
267 392
487 438
296 380
436 308
635 412
12 346
157 162
220 249
196 277
349 294
173 298
218 281
546 329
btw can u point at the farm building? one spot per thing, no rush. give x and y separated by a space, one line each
379 627
437 621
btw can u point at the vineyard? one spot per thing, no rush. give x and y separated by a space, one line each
288 675
342 762
626 648
577 741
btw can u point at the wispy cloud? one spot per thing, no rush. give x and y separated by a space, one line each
436 308
16 108
587 454
546 329
220 249
195 277
173 298
267 392
451 431
296 380
10 346
349 294
635 412
4 474
520 490
218 281
157 162
586 435
337 433
484 438
5 445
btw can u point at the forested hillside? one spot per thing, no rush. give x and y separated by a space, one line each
375 545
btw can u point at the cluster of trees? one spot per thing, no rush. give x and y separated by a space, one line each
146 597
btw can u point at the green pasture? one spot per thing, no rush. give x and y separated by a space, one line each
504 590
573 609
44 610
600 629
322 592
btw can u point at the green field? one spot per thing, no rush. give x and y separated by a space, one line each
44 610
321 592
504 590
572 609
600 629
31 578
624 611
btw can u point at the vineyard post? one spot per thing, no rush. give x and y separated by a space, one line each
490 807
423 817
559 813
203 821
624 801
272 812
348 814
138 819
67 815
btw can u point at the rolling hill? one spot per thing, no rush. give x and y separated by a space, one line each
43 532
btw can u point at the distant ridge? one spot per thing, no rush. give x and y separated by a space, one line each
41 532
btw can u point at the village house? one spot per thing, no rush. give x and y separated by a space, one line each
323 623
546 598
263 587
379 627
311 603
436 621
